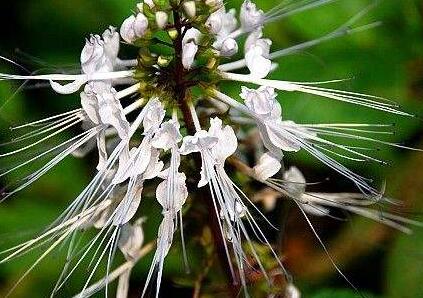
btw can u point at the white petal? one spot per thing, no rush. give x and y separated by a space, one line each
298 182
258 65
130 204
250 16
227 140
190 8
131 239
268 166
281 139
154 116
68 88
127 30
167 136
161 19
229 47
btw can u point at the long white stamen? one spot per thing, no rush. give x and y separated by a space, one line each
359 99
65 77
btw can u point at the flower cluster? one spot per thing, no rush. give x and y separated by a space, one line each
185 50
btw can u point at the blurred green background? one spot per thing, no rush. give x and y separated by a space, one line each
386 61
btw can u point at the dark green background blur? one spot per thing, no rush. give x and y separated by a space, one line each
386 61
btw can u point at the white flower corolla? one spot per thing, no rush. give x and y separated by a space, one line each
250 16
134 27
161 19
200 141
131 239
229 47
190 8
268 165
267 112
144 159
257 63
167 136
215 22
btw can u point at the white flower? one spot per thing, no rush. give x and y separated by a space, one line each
102 107
134 27
94 57
218 144
267 112
192 34
250 16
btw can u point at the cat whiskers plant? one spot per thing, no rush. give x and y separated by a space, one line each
185 51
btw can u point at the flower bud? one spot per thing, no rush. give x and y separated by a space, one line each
229 47
149 3
188 54
214 23
134 27
161 19
190 9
